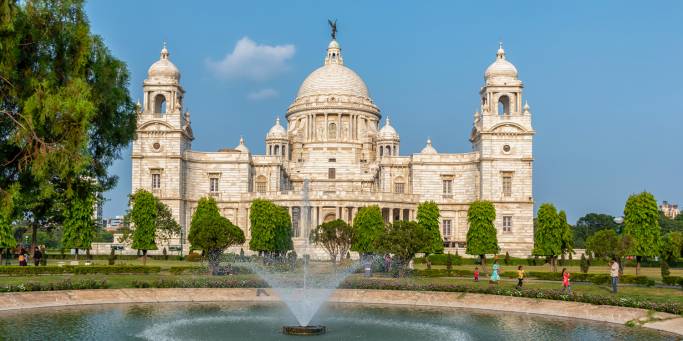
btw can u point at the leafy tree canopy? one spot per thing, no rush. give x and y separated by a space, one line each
641 223
587 225
271 227
482 235
211 232
428 216
335 237
369 227
79 226
549 232
143 216
403 239
567 233
672 246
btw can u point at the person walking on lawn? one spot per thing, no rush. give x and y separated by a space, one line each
520 276
614 273
565 281
495 277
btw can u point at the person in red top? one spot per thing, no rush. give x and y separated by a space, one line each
565 281
476 274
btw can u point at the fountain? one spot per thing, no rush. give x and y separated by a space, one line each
304 285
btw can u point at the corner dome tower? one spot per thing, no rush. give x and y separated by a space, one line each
501 70
163 70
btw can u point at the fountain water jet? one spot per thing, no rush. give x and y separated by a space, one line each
303 286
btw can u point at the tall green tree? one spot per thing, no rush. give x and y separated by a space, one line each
143 215
428 216
567 234
212 233
65 110
271 228
641 223
549 234
7 239
672 246
369 227
482 235
166 226
335 237
590 223
403 239
79 226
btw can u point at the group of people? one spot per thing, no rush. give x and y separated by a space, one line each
566 286
23 256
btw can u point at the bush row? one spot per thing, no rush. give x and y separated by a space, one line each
201 283
77 269
61 285
673 280
441 259
548 276
633 302
203 270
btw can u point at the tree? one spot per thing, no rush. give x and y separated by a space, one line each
641 223
607 244
143 215
670 225
585 264
567 234
587 225
212 233
271 228
672 246
369 227
79 226
335 237
403 239
428 216
482 235
65 110
7 239
166 226
549 234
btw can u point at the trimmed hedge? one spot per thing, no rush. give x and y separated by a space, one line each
673 280
203 270
547 276
61 285
201 283
13 270
633 302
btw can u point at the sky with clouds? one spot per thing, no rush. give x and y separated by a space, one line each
603 79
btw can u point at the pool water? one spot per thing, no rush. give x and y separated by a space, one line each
242 321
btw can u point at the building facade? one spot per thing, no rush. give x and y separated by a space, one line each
670 210
335 154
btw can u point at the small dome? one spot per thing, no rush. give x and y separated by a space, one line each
163 69
387 132
277 131
501 68
428 149
242 147
333 45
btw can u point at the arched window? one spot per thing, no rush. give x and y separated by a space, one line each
381 151
160 104
261 184
389 150
270 150
504 105
332 131
277 150
399 185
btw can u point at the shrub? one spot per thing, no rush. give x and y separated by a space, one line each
112 257
673 280
201 283
62 285
507 258
584 264
664 268
91 269
193 257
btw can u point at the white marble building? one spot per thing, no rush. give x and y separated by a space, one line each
334 136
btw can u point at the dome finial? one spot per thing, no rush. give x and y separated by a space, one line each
501 52
429 141
388 121
277 120
164 51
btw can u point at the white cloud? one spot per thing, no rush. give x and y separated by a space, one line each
250 60
262 94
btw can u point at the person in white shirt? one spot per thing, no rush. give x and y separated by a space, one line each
614 273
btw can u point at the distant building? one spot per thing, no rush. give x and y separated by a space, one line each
670 210
114 224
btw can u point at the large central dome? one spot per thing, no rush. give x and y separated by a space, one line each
333 78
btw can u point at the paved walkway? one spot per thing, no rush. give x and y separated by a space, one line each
620 315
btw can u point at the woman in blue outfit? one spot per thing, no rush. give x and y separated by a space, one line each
495 269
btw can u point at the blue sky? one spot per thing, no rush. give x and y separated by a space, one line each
603 79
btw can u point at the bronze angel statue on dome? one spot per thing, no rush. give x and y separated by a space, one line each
333 26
